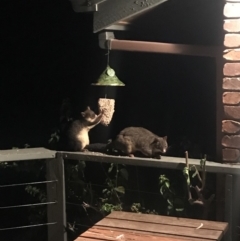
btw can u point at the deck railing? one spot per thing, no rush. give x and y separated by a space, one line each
56 214
55 181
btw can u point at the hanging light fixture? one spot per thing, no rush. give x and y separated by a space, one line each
108 76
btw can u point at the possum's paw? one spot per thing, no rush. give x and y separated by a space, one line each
85 150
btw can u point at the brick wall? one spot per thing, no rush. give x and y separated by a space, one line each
231 82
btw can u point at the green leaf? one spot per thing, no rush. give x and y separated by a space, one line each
186 174
104 190
110 168
185 171
167 184
162 179
81 165
124 173
136 206
170 202
120 189
194 174
162 189
169 207
179 209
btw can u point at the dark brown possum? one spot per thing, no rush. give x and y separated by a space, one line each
138 139
77 131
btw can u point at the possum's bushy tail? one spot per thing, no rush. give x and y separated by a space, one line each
64 123
100 147
106 148
65 114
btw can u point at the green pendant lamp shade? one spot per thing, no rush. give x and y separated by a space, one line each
108 78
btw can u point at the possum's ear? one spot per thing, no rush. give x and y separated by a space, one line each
165 138
83 114
156 140
88 108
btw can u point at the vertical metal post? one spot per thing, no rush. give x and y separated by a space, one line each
228 205
236 208
220 196
219 105
57 212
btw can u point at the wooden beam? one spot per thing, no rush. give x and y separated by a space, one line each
113 11
118 27
167 48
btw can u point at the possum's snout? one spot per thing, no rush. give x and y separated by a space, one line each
164 150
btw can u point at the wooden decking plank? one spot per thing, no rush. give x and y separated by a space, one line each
146 227
88 239
110 235
160 228
147 233
166 220
94 239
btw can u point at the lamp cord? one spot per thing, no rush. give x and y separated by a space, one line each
108 52
108 56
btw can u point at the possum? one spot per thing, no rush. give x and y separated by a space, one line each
138 139
77 132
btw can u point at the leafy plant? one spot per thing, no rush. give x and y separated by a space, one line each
36 192
55 137
114 191
37 214
175 203
138 208
5 165
76 187
201 200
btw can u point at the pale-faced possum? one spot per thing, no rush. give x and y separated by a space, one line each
138 139
77 132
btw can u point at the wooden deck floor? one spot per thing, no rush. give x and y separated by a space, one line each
146 227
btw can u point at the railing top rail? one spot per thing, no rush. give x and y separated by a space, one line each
164 162
26 154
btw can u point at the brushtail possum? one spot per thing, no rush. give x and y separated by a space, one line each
77 132
138 139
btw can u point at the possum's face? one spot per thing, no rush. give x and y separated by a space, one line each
161 144
89 115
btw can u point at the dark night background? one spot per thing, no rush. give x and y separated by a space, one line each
49 52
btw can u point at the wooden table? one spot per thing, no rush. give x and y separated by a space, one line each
127 226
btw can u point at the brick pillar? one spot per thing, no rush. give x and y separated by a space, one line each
231 82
